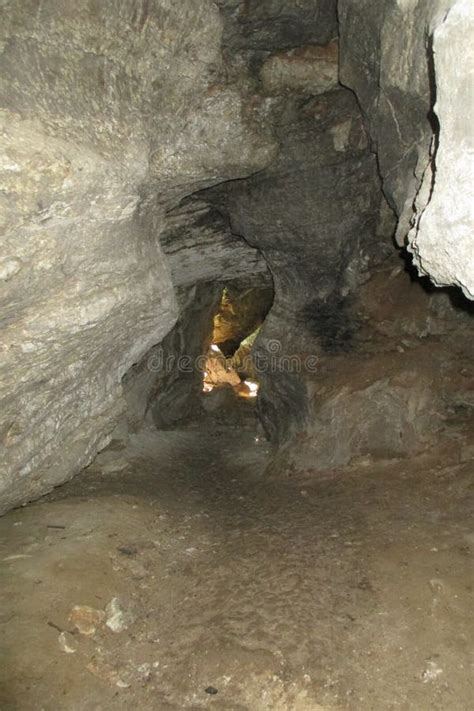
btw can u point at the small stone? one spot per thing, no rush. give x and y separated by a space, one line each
211 690
144 670
118 619
431 672
86 619
128 550
67 643
436 585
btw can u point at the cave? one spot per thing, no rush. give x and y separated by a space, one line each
237 393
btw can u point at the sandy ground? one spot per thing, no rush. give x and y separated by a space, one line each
238 591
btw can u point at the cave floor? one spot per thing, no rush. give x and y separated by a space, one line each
352 590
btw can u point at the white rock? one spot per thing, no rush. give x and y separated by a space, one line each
67 643
442 240
117 618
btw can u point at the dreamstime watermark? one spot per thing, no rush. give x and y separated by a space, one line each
268 358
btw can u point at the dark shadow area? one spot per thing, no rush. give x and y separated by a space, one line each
458 301
332 322
431 115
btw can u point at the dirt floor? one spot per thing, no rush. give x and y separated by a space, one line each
213 585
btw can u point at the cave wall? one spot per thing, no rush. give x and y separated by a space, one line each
242 311
441 237
165 386
411 65
312 213
405 385
111 112
316 211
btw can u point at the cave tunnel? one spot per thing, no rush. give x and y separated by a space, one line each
237 394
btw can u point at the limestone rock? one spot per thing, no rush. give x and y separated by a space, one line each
219 372
241 311
389 417
386 419
110 114
383 58
166 384
312 214
275 25
118 618
310 211
442 239
398 75
200 247
308 70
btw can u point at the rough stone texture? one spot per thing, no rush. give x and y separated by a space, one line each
308 70
407 376
269 25
442 239
200 247
112 112
384 59
312 214
90 293
164 386
390 417
398 305
398 73
241 311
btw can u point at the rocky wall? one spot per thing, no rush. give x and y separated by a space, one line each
110 113
312 213
411 65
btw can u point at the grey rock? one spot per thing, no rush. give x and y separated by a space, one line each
307 70
110 115
166 384
269 25
312 213
200 248
114 115
117 617
388 418
403 61
441 238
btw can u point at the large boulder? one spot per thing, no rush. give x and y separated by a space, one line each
390 417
